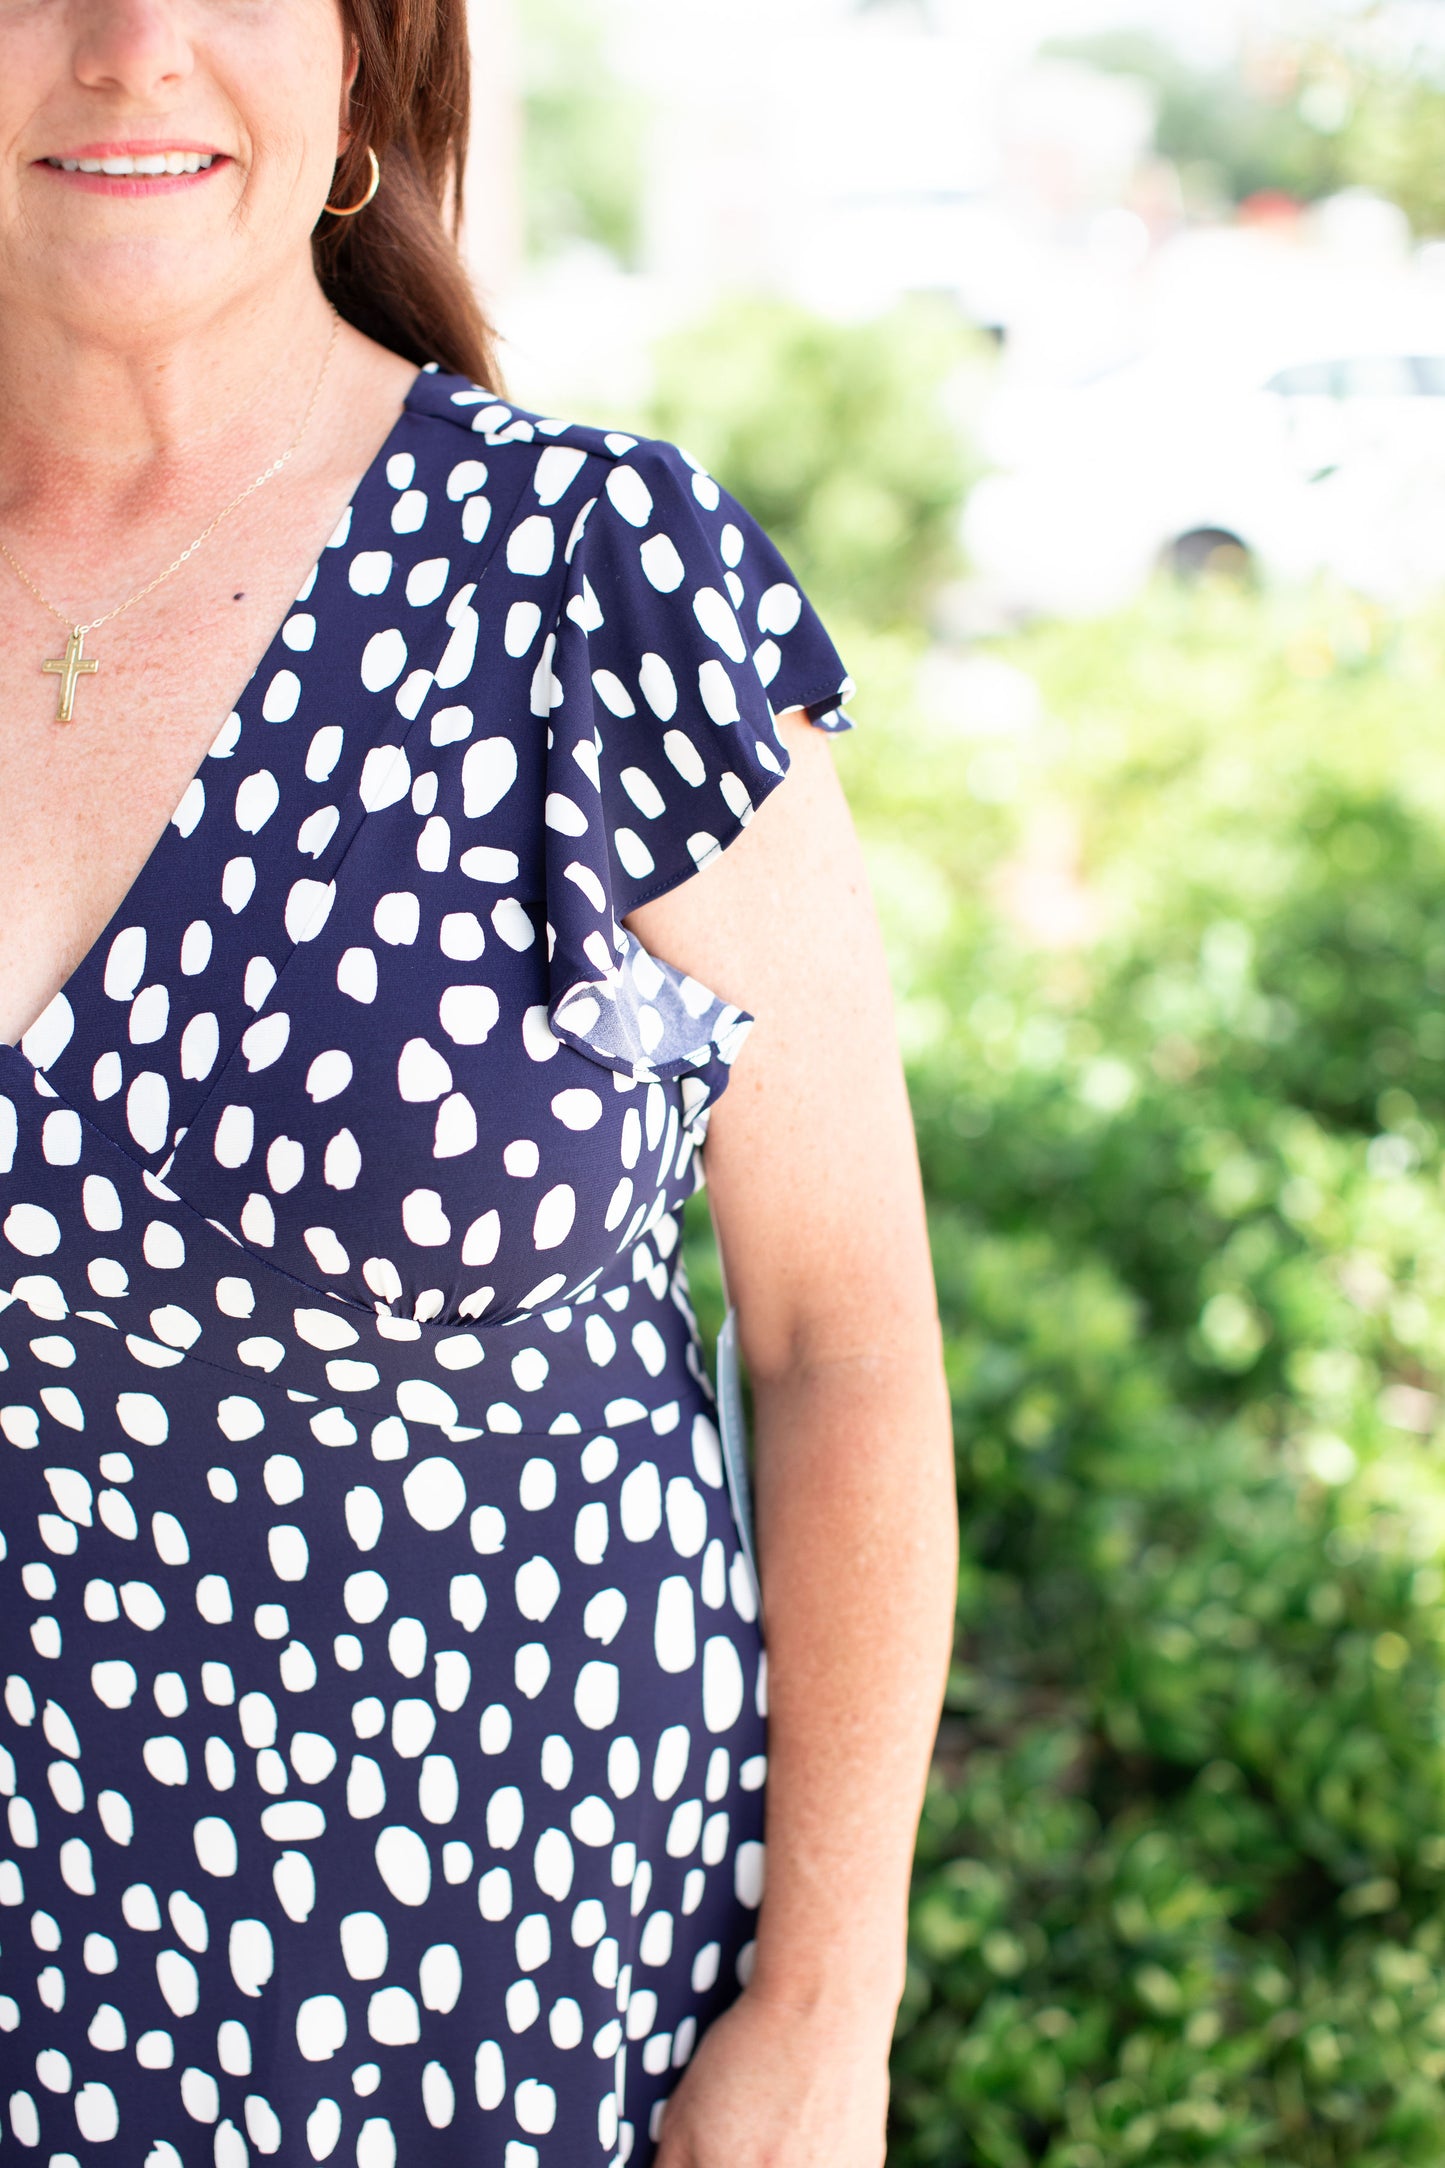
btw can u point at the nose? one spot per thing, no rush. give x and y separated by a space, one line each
137 48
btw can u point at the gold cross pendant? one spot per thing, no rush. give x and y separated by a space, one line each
68 667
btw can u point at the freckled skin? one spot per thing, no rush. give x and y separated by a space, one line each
154 357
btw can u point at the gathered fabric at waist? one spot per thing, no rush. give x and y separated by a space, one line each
102 1247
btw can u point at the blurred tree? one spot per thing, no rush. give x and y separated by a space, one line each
1393 141
1231 133
1301 120
582 155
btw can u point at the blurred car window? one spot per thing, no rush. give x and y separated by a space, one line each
1376 376
1363 376
1311 380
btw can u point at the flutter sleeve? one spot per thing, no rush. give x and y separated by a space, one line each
681 637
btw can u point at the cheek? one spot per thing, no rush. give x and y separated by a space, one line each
35 76
285 79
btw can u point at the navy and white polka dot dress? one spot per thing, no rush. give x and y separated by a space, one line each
384 1711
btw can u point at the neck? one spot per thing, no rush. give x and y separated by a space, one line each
93 416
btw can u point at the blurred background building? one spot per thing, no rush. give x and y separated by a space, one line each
1087 358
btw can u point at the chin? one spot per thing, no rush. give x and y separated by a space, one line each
137 287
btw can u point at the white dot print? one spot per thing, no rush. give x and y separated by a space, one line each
384 1721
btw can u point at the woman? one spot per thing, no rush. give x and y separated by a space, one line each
385 1705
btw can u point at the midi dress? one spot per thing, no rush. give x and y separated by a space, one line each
384 1732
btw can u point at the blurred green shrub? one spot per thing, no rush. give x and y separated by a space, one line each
1181 1884
839 438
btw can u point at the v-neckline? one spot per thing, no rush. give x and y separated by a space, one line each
266 665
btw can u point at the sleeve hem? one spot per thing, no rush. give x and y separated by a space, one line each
826 711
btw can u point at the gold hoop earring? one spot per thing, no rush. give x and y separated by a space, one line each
350 210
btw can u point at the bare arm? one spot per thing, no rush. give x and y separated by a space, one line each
811 1163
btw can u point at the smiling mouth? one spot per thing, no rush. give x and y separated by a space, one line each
142 166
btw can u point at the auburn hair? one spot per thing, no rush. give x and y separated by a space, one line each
395 271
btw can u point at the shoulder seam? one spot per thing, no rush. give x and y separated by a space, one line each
608 445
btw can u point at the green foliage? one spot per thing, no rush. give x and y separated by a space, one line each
838 438
582 165
1180 1893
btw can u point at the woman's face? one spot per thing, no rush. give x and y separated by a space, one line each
255 87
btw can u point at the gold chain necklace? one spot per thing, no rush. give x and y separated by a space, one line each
75 663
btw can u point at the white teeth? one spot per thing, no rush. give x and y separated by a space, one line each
146 164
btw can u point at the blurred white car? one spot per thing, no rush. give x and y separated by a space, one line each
1288 460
